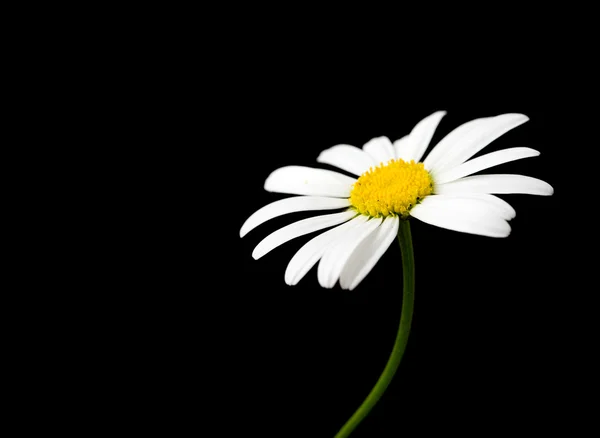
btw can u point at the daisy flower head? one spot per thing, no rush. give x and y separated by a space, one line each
393 183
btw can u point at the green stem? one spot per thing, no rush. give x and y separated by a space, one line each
408 299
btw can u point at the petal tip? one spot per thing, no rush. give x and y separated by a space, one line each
268 186
545 189
289 278
521 118
244 229
354 285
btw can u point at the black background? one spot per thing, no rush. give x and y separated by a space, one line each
167 124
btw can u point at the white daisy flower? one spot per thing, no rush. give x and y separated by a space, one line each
392 185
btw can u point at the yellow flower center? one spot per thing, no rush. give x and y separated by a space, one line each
391 189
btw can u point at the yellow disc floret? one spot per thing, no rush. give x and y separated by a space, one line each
391 189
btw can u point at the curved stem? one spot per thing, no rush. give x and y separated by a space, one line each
408 299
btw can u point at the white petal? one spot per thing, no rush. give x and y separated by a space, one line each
348 158
447 143
368 253
473 205
381 149
400 144
478 138
504 209
313 250
290 205
484 162
336 256
461 216
500 206
419 137
300 180
300 228
502 183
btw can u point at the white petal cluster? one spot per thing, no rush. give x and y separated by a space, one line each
353 244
